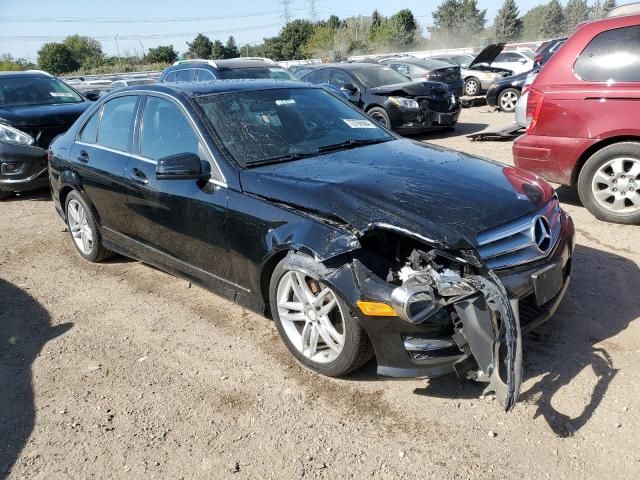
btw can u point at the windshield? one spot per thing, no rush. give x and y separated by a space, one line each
272 73
528 53
24 91
268 126
379 76
463 60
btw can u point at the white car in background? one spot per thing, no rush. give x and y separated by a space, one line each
518 61
521 106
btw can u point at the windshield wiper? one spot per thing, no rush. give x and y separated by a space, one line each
289 157
351 144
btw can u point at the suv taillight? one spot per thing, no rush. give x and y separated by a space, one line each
534 105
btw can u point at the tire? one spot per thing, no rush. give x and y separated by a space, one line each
356 348
82 223
507 100
380 115
609 182
472 87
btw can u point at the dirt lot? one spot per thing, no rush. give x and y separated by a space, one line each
119 370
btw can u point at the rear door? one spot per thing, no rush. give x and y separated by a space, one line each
100 156
182 220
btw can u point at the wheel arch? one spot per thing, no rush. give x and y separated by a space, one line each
595 148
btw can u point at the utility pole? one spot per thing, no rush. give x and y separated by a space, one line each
286 10
313 13
118 50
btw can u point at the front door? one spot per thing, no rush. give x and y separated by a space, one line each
184 221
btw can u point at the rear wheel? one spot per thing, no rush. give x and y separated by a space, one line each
84 230
472 87
507 99
381 116
315 324
609 181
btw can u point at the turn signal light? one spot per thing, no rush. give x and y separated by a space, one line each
376 309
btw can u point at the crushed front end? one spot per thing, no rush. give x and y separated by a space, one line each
460 312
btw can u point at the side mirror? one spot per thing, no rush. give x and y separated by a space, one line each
92 96
349 87
523 60
183 166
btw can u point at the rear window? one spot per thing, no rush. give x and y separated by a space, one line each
272 73
612 56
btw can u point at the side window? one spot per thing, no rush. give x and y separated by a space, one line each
186 75
503 57
401 68
166 131
90 130
116 123
171 77
338 78
317 76
205 75
613 55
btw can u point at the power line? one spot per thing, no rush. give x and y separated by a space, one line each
138 37
286 10
313 13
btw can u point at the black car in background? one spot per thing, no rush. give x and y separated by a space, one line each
546 51
34 108
389 97
428 69
505 93
284 198
230 69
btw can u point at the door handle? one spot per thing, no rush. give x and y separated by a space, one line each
83 156
139 176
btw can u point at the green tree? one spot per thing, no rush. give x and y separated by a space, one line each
404 26
231 48
321 42
532 23
8 63
376 19
608 5
200 47
553 23
217 50
86 51
333 22
161 54
457 22
293 36
575 11
601 7
508 24
57 58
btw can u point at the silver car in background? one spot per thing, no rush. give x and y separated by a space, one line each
477 78
521 106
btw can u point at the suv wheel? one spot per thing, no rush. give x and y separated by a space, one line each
84 230
609 181
472 87
316 326
507 99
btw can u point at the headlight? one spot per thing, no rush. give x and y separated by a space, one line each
14 136
404 102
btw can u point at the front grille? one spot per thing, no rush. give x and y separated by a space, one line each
520 241
44 135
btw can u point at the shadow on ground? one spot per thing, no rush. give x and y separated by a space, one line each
460 129
39 195
24 329
578 337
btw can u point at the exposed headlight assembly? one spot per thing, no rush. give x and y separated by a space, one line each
14 136
405 102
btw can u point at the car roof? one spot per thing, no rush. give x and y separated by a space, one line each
230 63
198 89
25 74
352 66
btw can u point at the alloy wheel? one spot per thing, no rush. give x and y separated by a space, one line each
471 87
311 317
508 101
79 226
615 185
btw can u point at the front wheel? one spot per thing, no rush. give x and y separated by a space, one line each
315 324
507 99
609 181
381 116
472 87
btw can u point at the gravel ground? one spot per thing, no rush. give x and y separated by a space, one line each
119 370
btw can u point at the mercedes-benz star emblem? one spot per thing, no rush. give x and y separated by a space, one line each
541 233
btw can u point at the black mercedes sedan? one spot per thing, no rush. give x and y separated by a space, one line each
34 108
389 97
284 198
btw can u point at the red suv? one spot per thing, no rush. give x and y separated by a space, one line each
584 109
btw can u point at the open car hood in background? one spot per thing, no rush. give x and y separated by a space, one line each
488 54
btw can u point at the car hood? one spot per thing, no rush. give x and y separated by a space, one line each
488 54
439 195
411 89
42 115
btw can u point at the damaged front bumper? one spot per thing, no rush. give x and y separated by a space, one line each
474 330
22 167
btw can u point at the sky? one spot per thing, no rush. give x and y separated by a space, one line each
142 24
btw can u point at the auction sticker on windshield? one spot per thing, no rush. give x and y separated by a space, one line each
356 123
